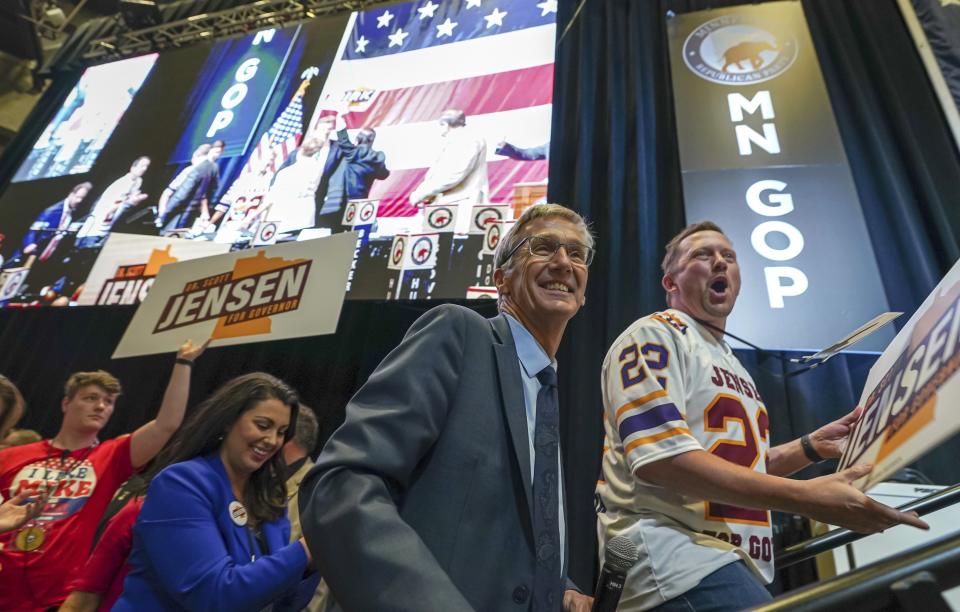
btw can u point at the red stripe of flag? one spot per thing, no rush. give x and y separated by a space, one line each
480 95
502 174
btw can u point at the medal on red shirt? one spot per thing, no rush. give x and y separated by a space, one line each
30 538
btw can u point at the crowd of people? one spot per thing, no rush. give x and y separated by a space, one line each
307 189
443 488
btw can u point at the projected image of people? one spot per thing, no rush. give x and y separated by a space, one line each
429 119
458 175
364 166
52 225
73 140
44 246
191 197
312 184
115 200
302 181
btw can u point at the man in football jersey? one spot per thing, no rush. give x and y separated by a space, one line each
688 471
76 475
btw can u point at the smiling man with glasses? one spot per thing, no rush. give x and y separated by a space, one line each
443 490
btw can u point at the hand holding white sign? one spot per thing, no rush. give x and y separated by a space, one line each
188 351
288 290
830 440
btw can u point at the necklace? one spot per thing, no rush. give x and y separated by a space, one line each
32 535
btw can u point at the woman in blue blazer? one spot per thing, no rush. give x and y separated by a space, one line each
213 533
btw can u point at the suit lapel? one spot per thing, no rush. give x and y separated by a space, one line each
511 391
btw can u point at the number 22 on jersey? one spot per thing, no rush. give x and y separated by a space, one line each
721 415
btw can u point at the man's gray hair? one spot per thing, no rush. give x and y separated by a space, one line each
519 231
305 435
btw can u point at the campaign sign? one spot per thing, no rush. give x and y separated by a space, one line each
11 280
495 232
128 264
287 290
911 395
483 215
439 218
360 212
413 252
266 234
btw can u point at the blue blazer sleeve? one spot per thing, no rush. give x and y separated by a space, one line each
185 544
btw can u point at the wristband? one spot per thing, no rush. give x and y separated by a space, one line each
188 363
808 449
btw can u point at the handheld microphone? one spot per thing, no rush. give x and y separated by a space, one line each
619 557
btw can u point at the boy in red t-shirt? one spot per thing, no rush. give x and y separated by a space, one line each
79 474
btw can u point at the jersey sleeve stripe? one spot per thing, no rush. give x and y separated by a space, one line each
679 431
640 401
654 417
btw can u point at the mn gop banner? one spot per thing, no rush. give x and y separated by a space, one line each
911 395
231 93
287 290
762 157
128 264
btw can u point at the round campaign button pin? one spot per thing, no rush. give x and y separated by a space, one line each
238 514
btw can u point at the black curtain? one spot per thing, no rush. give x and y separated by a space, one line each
614 158
43 346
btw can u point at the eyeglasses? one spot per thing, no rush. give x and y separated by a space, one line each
546 247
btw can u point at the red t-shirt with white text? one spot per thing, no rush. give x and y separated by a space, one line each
38 579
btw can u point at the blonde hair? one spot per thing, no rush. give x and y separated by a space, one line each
101 378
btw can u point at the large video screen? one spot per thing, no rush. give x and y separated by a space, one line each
422 126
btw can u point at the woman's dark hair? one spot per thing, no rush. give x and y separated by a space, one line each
204 430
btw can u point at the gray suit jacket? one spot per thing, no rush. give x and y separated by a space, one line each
421 499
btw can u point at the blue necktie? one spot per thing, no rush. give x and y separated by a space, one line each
546 501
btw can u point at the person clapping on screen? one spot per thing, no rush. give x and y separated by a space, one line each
213 532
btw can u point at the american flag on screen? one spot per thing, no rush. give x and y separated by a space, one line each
405 64
274 146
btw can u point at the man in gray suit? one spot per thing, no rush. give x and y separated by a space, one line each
442 490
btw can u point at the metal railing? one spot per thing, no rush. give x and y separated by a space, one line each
912 581
839 537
